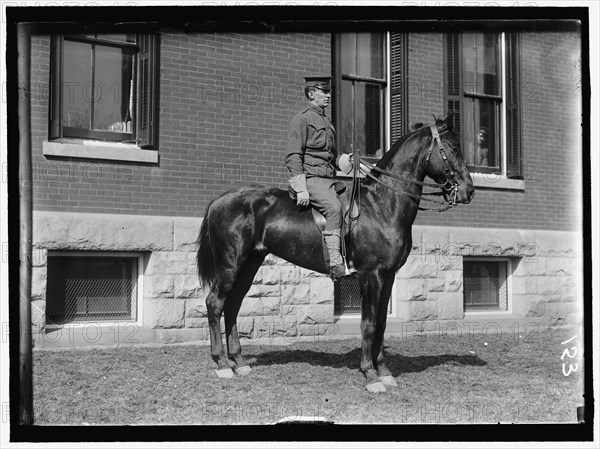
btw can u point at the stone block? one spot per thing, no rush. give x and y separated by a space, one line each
549 285
160 313
262 306
436 284
558 244
321 290
62 230
432 238
168 262
157 286
562 266
271 274
264 291
291 274
453 281
417 310
450 306
525 285
38 316
411 289
39 281
195 307
295 294
39 257
185 234
314 314
188 286
196 323
415 267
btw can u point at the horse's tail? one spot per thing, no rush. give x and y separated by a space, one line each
210 261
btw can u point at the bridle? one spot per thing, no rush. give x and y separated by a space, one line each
449 190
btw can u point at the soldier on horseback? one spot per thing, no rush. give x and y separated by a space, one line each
311 160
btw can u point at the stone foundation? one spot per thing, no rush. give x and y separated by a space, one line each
289 301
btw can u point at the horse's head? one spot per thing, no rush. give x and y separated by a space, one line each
444 162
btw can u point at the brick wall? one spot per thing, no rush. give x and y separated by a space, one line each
225 104
551 139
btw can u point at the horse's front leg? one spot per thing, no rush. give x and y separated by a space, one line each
378 340
370 287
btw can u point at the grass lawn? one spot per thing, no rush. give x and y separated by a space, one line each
442 379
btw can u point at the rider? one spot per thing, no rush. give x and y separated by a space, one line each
311 159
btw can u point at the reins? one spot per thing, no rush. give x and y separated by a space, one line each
449 188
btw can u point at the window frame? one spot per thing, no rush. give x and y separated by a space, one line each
510 175
138 146
139 296
509 286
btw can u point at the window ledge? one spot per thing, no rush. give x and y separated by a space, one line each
489 181
94 149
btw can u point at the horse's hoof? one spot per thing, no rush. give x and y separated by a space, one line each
388 380
376 387
243 370
225 373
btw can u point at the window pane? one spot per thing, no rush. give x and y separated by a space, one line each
77 78
482 134
369 55
348 52
368 119
91 288
482 282
113 89
481 63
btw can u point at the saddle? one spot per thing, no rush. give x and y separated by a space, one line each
319 219
344 197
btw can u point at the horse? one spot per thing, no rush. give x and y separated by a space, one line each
245 224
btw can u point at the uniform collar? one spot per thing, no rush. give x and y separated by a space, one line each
318 109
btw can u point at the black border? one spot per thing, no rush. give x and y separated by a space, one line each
291 19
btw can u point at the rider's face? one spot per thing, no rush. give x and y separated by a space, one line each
320 98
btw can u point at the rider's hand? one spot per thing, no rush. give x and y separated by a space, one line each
302 199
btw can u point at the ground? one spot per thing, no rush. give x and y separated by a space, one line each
511 377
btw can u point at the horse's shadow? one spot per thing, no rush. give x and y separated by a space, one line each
398 364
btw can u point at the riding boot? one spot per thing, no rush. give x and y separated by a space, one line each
336 262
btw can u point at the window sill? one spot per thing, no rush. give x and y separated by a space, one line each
488 181
93 149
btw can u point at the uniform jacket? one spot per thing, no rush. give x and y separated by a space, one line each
311 144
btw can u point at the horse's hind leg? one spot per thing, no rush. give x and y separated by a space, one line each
215 302
233 303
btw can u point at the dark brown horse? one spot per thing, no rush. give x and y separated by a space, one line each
244 225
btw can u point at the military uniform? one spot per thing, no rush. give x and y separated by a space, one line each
311 150
312 160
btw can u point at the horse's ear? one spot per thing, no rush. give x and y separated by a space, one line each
416 126
449 120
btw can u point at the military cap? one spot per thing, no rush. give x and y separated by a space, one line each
319 82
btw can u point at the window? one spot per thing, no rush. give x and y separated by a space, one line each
482 79
104 88
360 80
84 287
347 299
486 285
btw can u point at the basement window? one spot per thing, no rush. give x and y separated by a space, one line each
92 287
486 286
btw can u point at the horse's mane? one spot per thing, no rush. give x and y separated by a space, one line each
389 155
